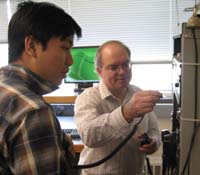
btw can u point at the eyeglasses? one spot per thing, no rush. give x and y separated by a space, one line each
115 67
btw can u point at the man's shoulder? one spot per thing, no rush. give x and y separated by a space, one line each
23 97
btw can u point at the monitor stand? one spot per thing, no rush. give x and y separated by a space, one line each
81 86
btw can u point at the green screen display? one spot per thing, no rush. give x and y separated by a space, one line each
83 68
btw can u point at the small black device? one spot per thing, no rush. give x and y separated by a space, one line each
144 139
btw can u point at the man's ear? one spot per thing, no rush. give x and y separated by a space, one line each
99 70
30 44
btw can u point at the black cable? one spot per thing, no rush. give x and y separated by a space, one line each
149 166
91 165
196 77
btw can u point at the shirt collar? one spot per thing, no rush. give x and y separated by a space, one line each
105 93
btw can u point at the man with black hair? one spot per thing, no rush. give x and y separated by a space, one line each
40 36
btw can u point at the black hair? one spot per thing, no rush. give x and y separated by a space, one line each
42 21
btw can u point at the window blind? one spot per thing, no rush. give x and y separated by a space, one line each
142 25
3 21
146 26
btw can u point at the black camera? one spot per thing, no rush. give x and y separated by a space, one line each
144 139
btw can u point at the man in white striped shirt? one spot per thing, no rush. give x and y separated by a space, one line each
105 114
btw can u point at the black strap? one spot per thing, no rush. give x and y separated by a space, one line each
148 166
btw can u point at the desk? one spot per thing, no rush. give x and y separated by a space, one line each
60 99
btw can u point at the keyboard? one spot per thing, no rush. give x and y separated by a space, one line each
73 132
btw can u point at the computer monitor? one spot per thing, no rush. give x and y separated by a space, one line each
82 72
